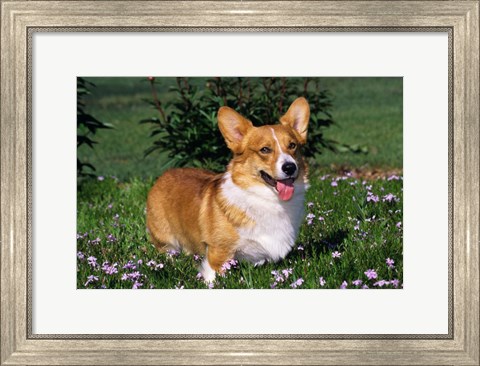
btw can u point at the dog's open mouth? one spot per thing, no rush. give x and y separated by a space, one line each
285 187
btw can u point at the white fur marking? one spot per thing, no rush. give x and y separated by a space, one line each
282 159
276 222
275 138
207 272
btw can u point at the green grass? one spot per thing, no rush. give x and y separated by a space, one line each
119 152
365 233
367 112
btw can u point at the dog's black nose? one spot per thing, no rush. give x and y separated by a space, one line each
289 168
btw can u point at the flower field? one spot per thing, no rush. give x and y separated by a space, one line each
351 238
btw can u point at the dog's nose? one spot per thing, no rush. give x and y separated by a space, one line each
289 168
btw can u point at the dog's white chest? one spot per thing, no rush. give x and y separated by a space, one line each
276 222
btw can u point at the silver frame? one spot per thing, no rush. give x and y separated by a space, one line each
21 19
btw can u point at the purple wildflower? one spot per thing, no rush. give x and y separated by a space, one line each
389 198
398 224
92 261
372 197
109 269
310 204
371 274
310 218
395 283
227 266
300 247
159 266
393 177
278 276
135 275
336 254
390 263
196 257
199 276
322 281
334 183
137 285
80 256
173 253
381 283
320 218
111 238
365 287
297 283
233 262
129 265
151 263
357 282
110 206
287 272
94 241
140 262
101 178
344 285
91 279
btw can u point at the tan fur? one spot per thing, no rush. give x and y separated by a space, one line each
186 208
245 167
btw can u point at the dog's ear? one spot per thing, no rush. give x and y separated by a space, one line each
297 117
233 127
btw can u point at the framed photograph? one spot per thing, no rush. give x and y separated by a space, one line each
371 260
290 187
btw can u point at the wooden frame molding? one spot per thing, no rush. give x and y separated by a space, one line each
20 19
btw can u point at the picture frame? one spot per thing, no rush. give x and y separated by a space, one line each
20 19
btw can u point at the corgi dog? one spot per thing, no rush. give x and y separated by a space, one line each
252 211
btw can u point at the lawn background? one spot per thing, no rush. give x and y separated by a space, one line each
367 112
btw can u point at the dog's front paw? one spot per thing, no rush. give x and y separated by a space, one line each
259 263
207 272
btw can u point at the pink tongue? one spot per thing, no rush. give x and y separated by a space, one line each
285 189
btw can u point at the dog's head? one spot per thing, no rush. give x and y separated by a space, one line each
268 155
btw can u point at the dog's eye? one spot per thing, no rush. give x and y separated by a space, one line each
265 150
292 145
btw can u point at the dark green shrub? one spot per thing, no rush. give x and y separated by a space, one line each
186 127
87 125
